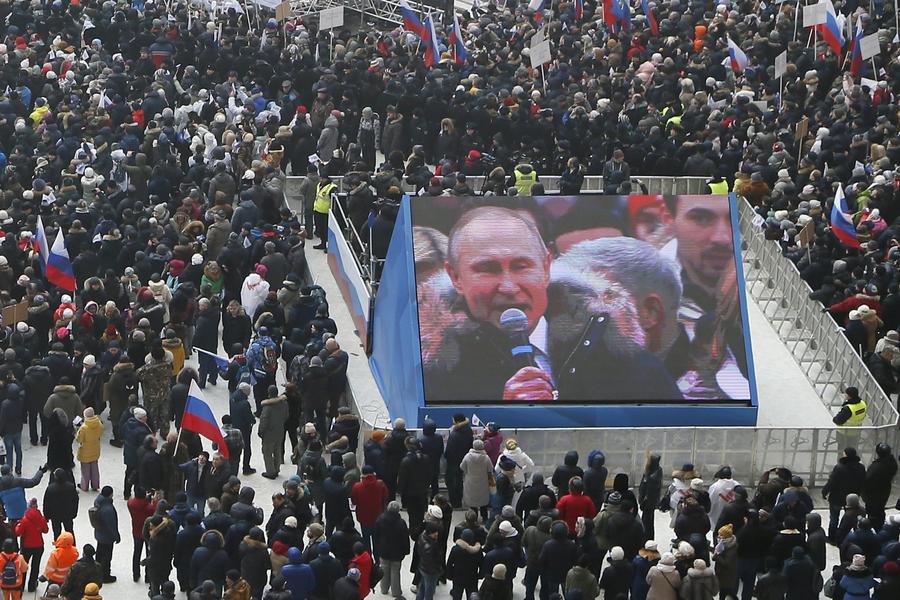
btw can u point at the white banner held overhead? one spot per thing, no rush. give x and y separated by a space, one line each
540 54
813 14
869 46
331 18
780 64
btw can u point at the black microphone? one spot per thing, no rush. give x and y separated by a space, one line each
514 324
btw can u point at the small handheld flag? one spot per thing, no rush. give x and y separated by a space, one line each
221 361
841 224
739 60
198 417
40 242
461 55
411 21
59 267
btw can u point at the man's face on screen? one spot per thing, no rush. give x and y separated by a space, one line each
499 266
703 229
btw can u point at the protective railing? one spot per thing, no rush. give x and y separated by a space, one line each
821 350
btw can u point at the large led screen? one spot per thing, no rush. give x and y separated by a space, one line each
579 299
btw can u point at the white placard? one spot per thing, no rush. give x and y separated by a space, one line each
331 18
537 38
869 46
813 14
780 64
762 105
540 54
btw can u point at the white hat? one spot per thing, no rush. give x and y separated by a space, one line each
197 259
616 553
507 529
854 315
249 174
89 360
22 327
864 310
651 545
139 413
68 314
66 299
88 172
435 512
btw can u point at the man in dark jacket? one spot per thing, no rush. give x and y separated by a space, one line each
432 446
649 493
879 479
414 481
327 570
801 574
847 477
206 337
106 531
347 587
12 411
557 556
530 497
566 472
242 418
394 451
616 578
459 442
38 387
390 536
428 549
85 570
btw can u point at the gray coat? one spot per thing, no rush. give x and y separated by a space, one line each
663 586
274 416
328 139
478 473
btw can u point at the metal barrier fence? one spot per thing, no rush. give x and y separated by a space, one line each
821 350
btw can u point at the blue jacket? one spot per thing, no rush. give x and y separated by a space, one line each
108 532
299 578
12 493
857 587
134 435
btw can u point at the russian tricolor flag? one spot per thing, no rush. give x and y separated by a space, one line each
739 60
831 30
856 61
621 13
198 417
411 22
538 7
55 261
651 18
579 9
841 223
432 52
461 55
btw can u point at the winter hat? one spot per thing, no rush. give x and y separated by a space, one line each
53 591
726 531
478 445
140 413
699 564
354 574
507 529
197 259
291 522
511 444
667 559
617 553
858 564
309 429
435 512
33 503
651 545
696 484
499 572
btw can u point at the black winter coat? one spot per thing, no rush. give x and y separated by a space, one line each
255 563
879 477
61 498
847 477
209 560
391 535
459 442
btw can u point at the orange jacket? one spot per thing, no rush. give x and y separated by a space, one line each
21 568
62 558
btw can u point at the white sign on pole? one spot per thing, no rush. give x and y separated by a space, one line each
869 46
537 38
540 54
813 14
331 18
780 64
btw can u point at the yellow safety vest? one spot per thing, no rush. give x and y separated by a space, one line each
720 187
323 197
524 181
857 414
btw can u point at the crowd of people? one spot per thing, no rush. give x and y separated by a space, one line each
156 140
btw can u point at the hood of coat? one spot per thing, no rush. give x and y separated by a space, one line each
64 389
255 544
65 540
349 460
701 573
470 548
93 424
274 401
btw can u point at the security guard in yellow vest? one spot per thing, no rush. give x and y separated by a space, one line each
524 177
853 411
326 193
717 186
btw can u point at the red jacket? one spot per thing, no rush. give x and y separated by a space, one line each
141 509
363 562
370 495
32 528
574 505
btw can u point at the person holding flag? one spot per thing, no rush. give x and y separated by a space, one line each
739 60
411 21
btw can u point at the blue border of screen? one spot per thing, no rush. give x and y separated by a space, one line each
397 364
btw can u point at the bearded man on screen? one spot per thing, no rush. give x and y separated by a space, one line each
582 329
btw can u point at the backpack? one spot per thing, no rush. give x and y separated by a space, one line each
94 517
10 577
270 359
